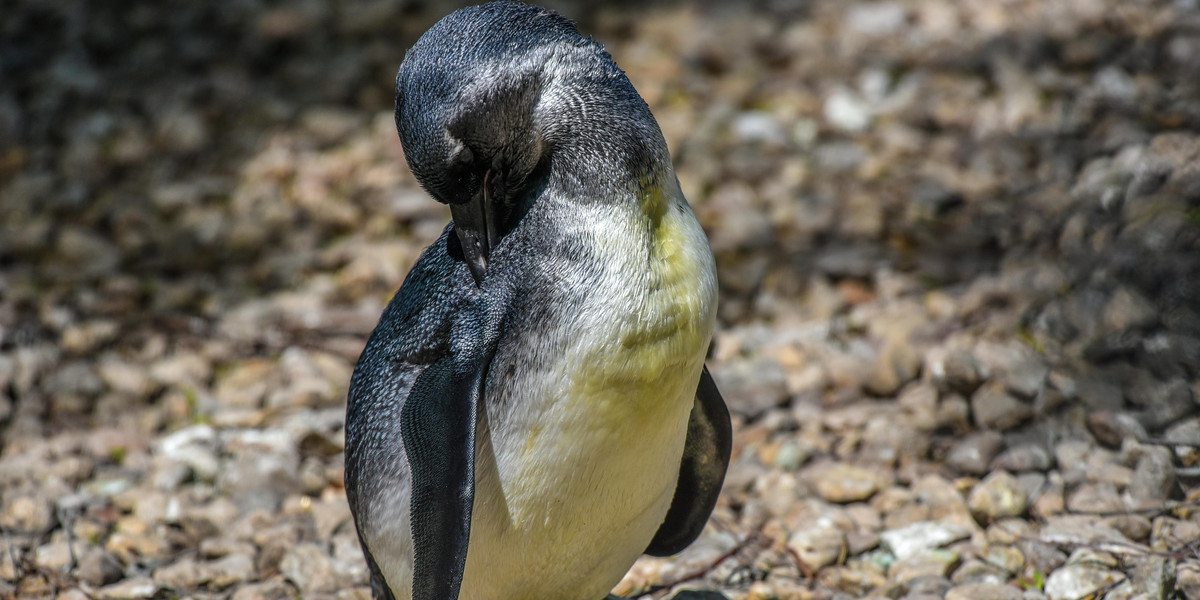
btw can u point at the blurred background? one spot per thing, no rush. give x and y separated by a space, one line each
958 246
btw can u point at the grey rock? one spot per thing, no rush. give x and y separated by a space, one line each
1026 378
136 588
1112 427
975 571
54 555
1095 498
973 454
195 446
983 591
818 545
993 408
97 567
1153 576
185 574
1018 458
1187 580
1154 477
926 564
1169 534
274 588
1163 404
959 371
920 537
1099 395
897 364
842 483
998 496
310 568
932 586
1077 581
28 515
752 387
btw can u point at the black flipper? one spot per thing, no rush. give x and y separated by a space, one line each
705 460
438 424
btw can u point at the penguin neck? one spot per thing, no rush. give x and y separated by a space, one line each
606 144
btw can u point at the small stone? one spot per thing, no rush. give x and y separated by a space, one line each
54 555
929 563
274 588
845 110
977 571
857 582
1019 458
307 566
135 588
195 446
897 364
1154 478
1099 395
182 575
1026 378
1112 427
921 537
98 567
1078 581
992 408
753 387
820 545
958 371
232 569
1187 580
973 454
998 496
26 515
984 591
1006 557
1152 575
843 483
1096 498
1172 535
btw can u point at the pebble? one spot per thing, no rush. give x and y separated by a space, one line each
932 563
979 572
274 588
959 371
309 568
992 408
819 545
1078 581
842 483
918 538
1187 580
984 591
973 454
998 496
1018 458
27 515
134 588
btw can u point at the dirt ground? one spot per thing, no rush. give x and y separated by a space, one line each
958 246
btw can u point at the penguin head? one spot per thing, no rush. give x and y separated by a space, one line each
488 96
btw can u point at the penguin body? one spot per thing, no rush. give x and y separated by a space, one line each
532 412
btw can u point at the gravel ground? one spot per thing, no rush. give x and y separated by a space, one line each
959 250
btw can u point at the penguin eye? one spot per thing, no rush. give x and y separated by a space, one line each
461 155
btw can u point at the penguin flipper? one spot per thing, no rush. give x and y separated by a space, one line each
438 424
701 473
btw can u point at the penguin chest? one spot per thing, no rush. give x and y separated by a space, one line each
576 472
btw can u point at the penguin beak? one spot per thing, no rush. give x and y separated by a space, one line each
476 229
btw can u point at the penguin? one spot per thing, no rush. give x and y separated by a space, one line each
532 412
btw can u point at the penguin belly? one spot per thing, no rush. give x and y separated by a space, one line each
576 471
